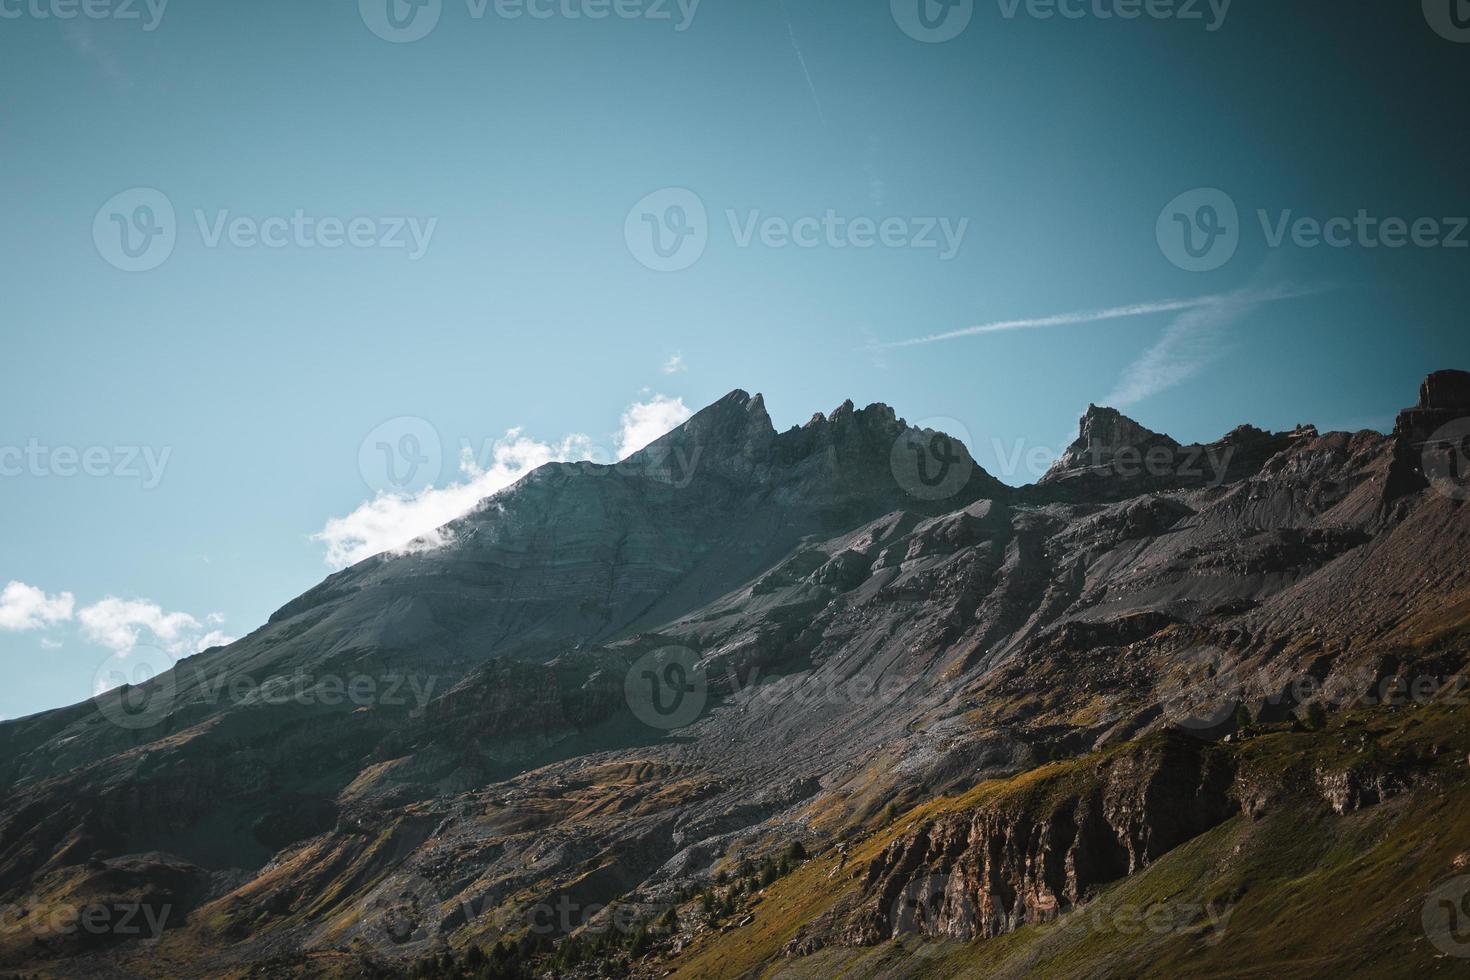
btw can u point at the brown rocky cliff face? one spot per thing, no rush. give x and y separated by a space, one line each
1026 859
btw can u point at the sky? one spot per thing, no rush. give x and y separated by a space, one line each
286 283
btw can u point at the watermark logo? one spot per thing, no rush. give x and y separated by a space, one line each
135 690
925 903
1447 460
406 21
403 456
1211 13
136 230
930 462
400 914
1446 917
149 12
401 21
667 688
143 922
933 21
1199 231
143 463
1449 18
668 230
1208 693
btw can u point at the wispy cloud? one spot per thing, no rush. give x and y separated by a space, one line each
1193 340
118 624
675 364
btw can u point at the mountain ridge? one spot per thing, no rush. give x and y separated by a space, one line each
867 619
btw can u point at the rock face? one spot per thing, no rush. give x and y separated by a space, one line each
1432 434
605 680
1025 860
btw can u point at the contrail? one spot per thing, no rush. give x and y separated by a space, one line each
801 60
1192 341
1060 320
1112 313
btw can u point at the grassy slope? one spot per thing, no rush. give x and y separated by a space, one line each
1296 890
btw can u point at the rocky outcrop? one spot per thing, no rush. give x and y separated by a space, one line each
1356 787
1432 435
1115 458
1033 855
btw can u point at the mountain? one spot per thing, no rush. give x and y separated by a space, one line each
796 703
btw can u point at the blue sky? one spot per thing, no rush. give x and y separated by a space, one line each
366 231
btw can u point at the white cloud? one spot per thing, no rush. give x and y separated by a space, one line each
675 364
644 422
25 607
118 625
413 523
410 524
49 644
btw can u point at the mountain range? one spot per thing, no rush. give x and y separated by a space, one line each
832 701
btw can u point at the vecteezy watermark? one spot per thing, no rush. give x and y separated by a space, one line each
933 21
405 21
1208 693
1200 230
942 905
149 13
142 921
1212 685
143 463
1449 18
934 905
1446 917
937 21
135 689
364 690
1210 13
566 915
1446 460
1204 920
667 688
404 455
669 230
138 689
1208 466
401 914
808 691
929 460
136 231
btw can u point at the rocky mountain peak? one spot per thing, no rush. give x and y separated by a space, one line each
1446 391
1103 433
